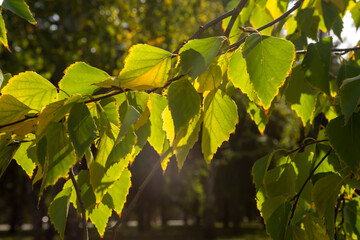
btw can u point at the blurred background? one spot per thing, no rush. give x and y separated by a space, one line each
200 201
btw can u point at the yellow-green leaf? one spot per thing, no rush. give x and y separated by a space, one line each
60 154
209 80
11 109
220 120
58 210
22 158
197 55
3 37
80 78
269 62
31 89
146 67
240 77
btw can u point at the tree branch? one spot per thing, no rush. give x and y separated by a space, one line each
82 205
305 145
236 13
208 25
19 121
287 13
297 196
340 51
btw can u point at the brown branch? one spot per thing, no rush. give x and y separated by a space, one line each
340 51
206 26
106 96
236 13
138 193
287 13
82 205
297 196
305 145
19 121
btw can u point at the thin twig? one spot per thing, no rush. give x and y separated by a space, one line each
340 50
206 26
305 145
236 13
287 13
19 121
82 205
106 96
297 196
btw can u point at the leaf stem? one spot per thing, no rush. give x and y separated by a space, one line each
82 205
287 13
297 196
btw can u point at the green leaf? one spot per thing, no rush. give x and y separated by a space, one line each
220 120
55 112
11 109
349 96
330 13
58 210
209 80
111 111
295 233
197 55
31 89
130 118
347 70
345 140
6 152
260 168
82 129
314 228
146 67
184 103
316 64
301 96
186 138
325 203
269 62
355 13
80 78
157 136
4 79
87 194
258 115
20 8
259 17
60 155
275 212
276 225
239 76
352 216
122 149
120 190
280 180
3 37
22 158
100 214
101 179
303 163
139 100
